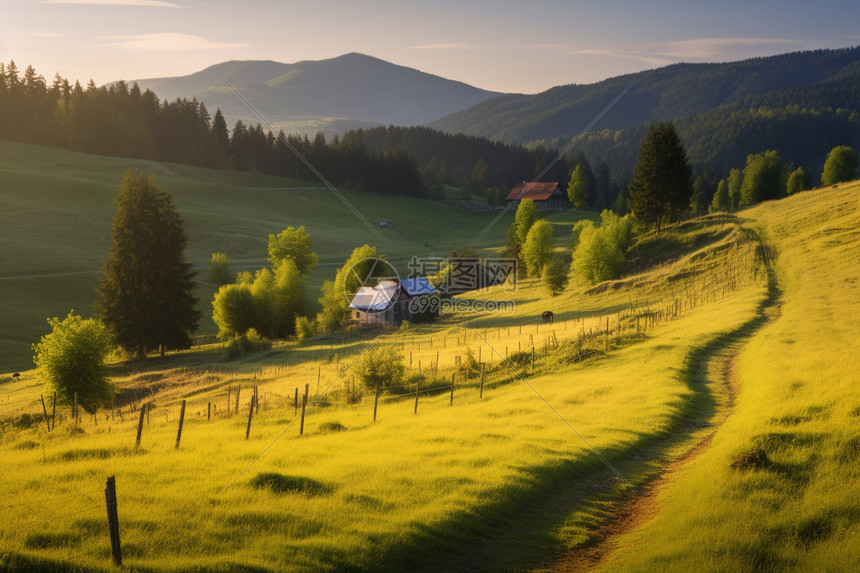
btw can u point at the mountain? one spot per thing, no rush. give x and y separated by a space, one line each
668 93
334 95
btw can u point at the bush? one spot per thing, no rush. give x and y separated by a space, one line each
304 328
469 365
382 366
251 341
754 459
841 165
72 357
219 270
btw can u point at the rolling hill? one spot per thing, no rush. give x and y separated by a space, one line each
334 95
823 78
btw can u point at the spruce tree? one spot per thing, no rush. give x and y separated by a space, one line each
147 292
662 181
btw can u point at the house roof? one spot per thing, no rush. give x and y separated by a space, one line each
417 286
536 191
374 299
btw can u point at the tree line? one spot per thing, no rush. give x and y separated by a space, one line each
122 120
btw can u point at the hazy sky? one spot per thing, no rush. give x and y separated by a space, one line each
524 46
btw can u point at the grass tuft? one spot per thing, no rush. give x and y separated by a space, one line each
280 483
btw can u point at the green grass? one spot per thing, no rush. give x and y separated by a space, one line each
798 403
58 208
500 482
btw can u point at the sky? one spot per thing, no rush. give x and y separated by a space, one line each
502 45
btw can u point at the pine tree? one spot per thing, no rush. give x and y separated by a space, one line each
146 295
662 181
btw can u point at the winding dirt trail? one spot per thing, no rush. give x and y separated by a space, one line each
642 504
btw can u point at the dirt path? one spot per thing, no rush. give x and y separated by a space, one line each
641 505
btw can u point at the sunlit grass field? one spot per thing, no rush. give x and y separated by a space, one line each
798 402
497 482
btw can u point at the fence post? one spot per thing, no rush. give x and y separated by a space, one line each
139 428
482 381
45 410
113 520
453 375
250 415
304 407
238 391
181 420
376 400
209 412
296 402
417 387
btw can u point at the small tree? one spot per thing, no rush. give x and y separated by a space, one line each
762 178
734 182
799 180
72 357
554 275
538 247
380 365
577 187
722 201
599 254
219 270
295 244
304 328
527 214
233 310
841 165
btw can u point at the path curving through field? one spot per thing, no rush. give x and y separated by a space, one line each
713 364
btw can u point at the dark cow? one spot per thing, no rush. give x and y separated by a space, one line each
16 376
547 316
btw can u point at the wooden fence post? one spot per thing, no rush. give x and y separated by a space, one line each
209 412
453 375
139 428
238 391
250 415
181 420
45 410
482 382
296 402
113 520
417 387
376 401
304 407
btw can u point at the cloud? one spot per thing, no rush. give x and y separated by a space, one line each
452 46
168 42
699 49
144 3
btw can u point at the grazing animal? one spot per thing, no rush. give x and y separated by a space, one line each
547 316
16 376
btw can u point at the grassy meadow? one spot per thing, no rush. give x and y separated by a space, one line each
497 482
730 333
58 207
797 402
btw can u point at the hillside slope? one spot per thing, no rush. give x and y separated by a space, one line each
798 403
59 205
676 91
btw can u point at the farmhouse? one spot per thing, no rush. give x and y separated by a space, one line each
548 196
389 303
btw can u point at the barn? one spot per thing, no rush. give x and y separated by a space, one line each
389 302
548 196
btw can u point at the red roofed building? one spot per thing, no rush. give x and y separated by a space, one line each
548 196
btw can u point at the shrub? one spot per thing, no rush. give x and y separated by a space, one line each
251 341
754 459
383 366
72 357
555 275
219 270
304 328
